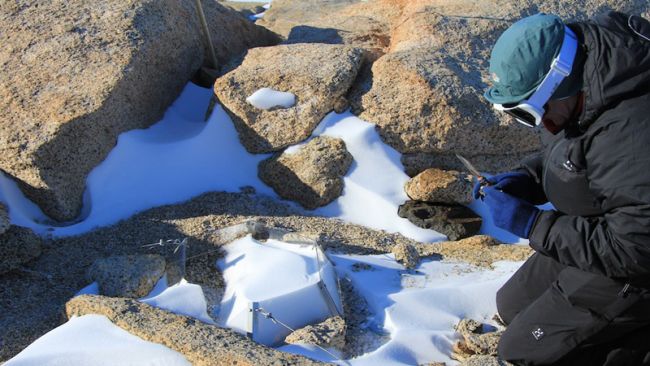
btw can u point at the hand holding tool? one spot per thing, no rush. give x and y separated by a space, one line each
482 181
510 213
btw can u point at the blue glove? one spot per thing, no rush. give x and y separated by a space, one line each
518 184
509 212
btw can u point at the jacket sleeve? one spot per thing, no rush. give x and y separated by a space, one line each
617 243
533 165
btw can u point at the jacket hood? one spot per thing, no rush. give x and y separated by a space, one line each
617 63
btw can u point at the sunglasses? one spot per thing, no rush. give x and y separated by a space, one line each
530 111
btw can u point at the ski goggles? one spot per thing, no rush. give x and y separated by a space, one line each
530 111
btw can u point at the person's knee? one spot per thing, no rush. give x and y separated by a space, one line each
532 279
506 306
513 348
507 347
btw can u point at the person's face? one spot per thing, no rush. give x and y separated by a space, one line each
559 112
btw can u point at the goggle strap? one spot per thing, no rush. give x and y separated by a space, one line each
569 48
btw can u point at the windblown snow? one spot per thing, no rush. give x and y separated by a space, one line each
183 156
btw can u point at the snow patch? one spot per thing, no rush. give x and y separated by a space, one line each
419 315
374 186
182 157
92 340
92 289
183 298
255 17
278 278
178 158
267 98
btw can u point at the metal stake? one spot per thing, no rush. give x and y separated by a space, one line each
204 24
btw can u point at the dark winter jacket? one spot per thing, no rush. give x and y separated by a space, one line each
597 172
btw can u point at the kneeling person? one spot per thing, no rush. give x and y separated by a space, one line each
583 297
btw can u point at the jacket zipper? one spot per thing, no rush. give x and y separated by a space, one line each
624 291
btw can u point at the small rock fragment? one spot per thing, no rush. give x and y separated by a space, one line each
483 344
313 176
435 185
407 255
330 333
131 276
474 342
468 326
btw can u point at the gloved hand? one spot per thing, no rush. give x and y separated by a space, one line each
518 184
509 212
